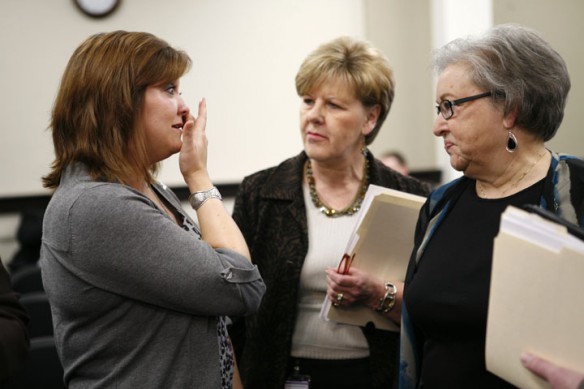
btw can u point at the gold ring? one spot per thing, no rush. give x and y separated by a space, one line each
340 297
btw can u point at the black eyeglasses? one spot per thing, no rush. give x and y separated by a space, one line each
445 106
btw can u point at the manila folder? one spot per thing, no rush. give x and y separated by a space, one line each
536 295
381 243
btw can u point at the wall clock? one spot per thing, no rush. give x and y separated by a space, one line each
97 8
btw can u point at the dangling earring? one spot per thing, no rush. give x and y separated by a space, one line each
511 142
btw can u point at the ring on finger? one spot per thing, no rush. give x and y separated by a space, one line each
340 297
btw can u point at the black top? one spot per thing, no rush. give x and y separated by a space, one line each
448 295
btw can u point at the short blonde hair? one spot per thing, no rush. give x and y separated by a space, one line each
362 66
99 98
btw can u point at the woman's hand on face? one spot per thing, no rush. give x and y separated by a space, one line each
193 153
356 287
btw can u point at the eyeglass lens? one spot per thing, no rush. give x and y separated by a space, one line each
445 108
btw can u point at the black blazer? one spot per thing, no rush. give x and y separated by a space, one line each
270 211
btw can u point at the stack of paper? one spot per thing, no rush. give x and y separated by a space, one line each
536 297
381 244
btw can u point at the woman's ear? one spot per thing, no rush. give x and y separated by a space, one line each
509 120
372 117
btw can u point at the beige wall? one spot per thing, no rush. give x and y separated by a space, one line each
402 30
560 23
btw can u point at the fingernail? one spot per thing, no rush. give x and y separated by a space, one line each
526 357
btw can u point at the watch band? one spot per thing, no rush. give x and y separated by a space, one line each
387 302
197 199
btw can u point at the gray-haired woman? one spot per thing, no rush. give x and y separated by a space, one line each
499 98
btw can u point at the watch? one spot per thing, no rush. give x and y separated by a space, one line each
387 302
97 8
197 199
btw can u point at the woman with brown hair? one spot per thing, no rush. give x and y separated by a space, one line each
139 292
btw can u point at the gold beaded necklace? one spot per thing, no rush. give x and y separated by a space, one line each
331 212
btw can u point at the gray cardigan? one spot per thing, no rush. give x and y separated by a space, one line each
135 298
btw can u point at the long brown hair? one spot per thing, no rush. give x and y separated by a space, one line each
99 99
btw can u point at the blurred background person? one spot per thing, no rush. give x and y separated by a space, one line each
297 218
499 98
14 341
28 235
396 161
139 292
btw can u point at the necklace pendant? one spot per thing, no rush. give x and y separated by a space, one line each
330 212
